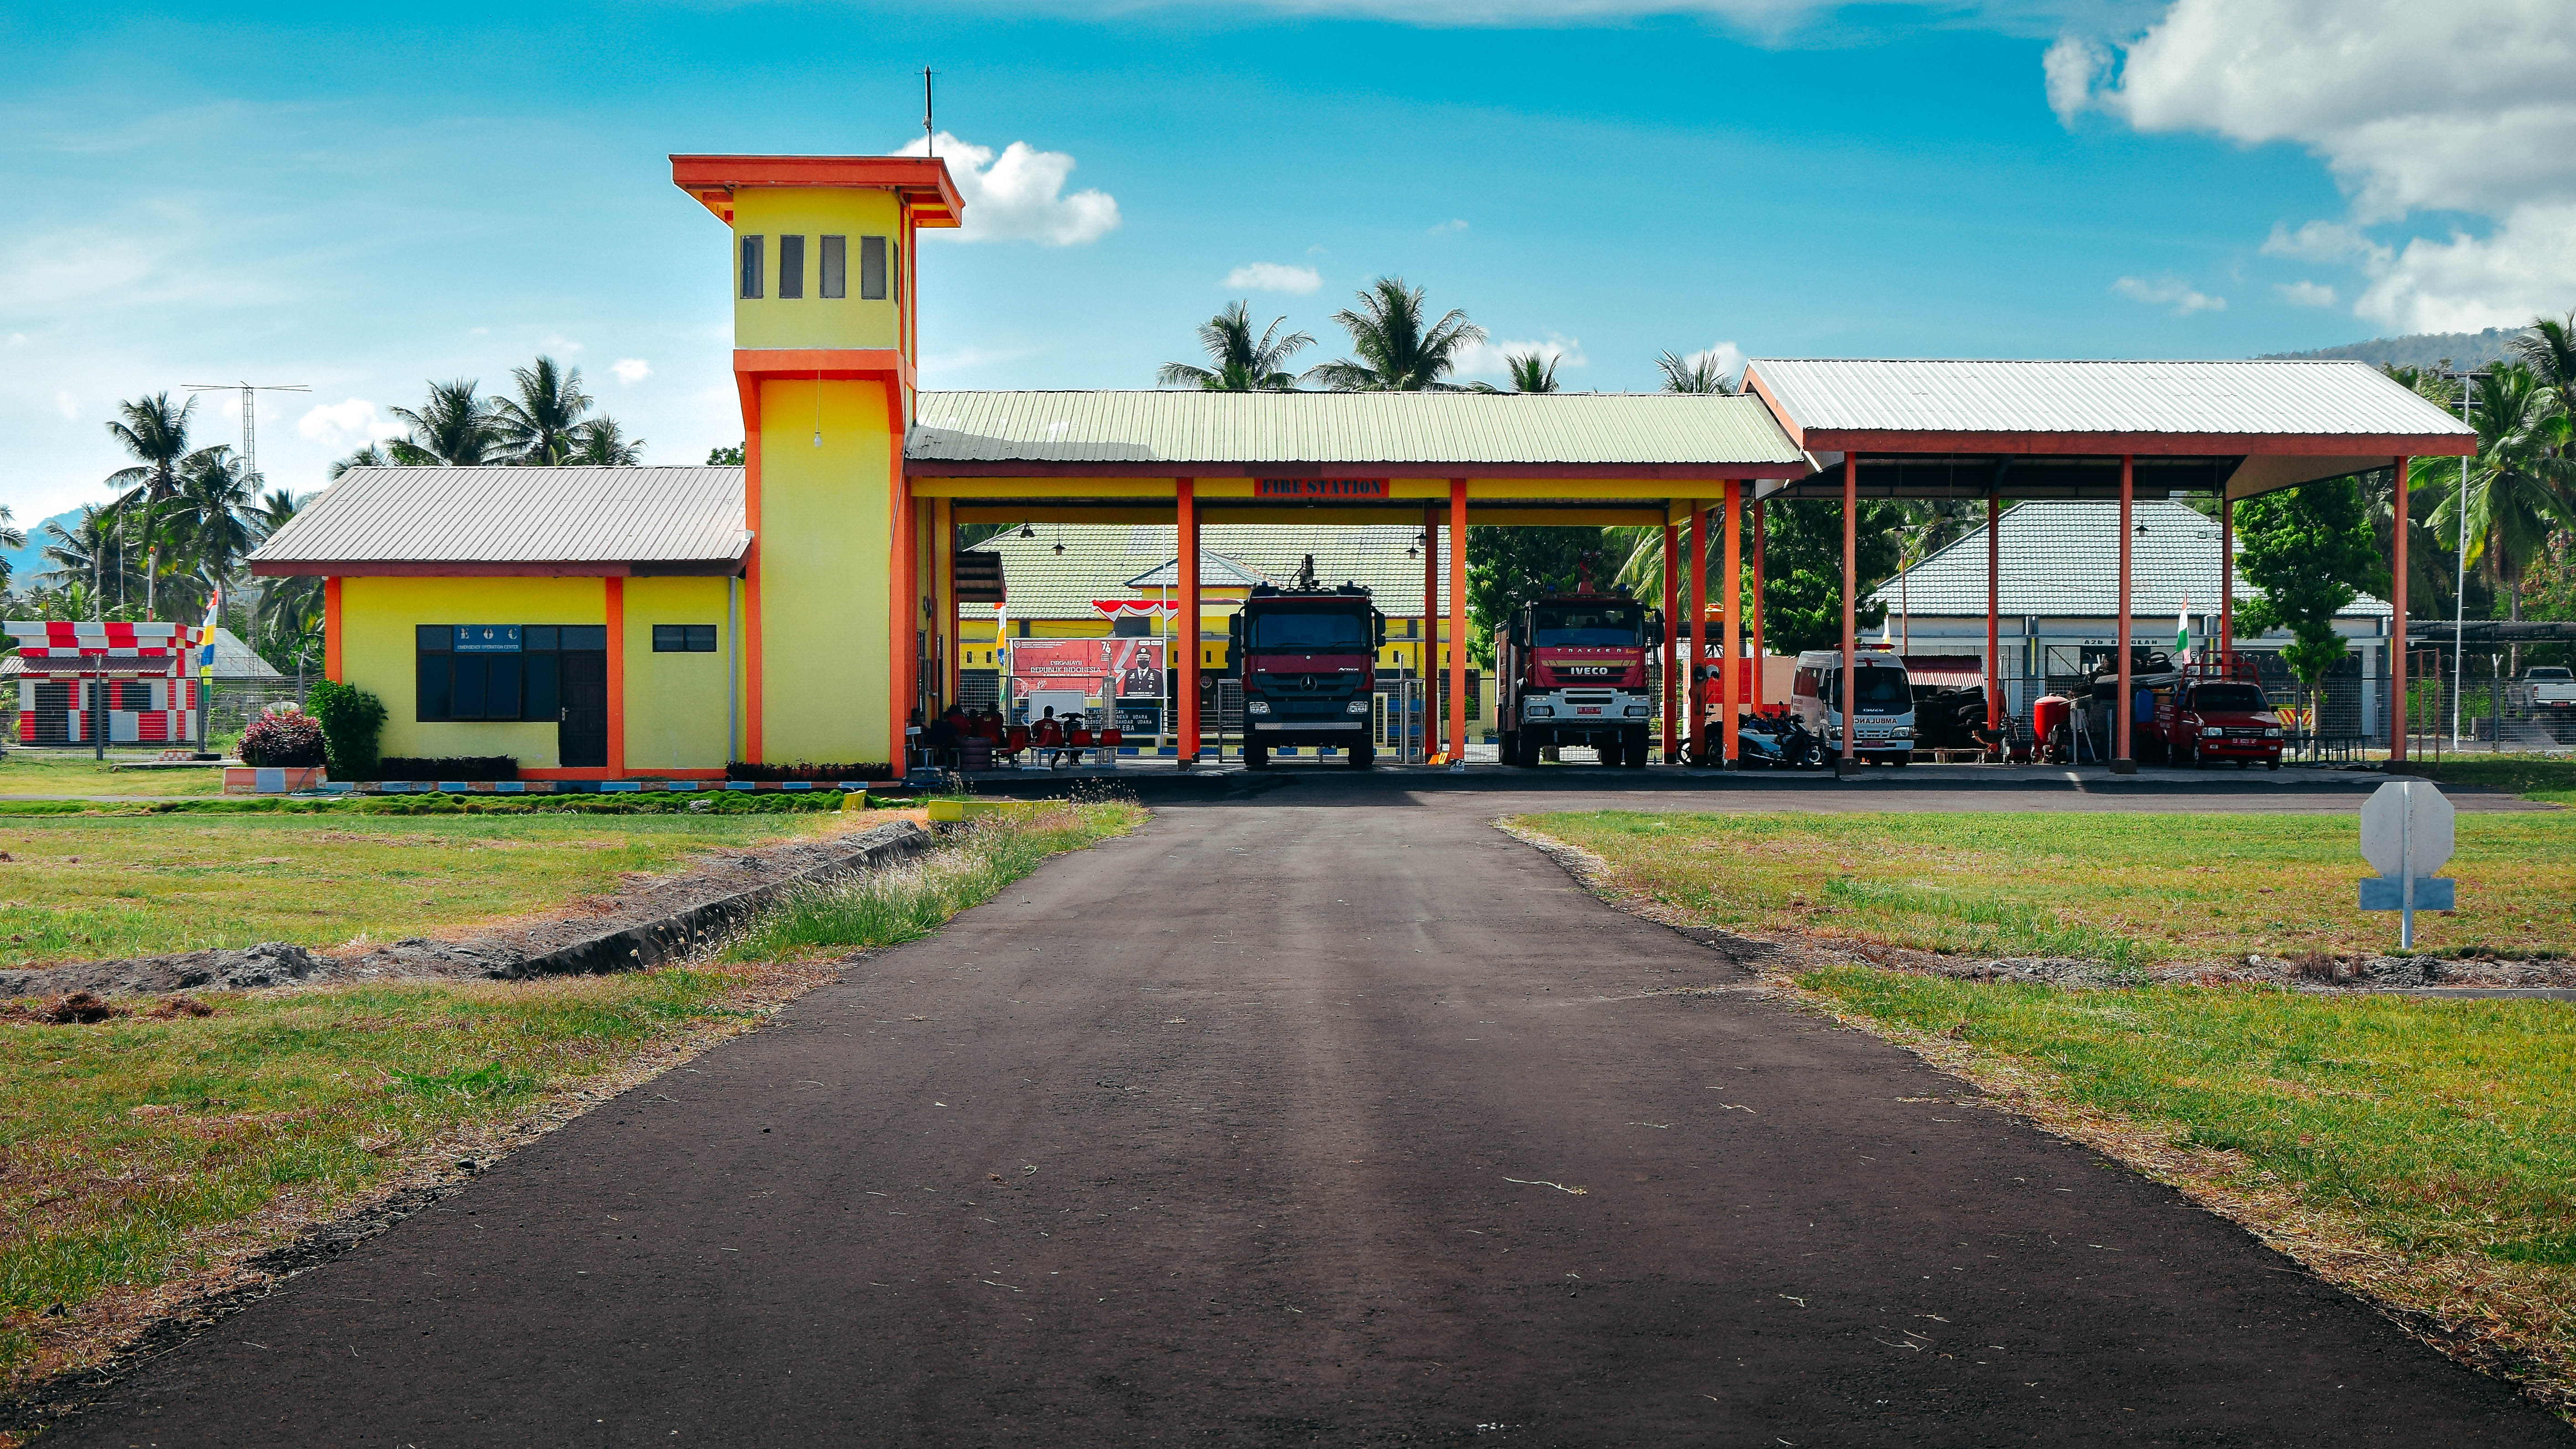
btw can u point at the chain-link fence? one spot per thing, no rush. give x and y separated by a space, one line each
2473 701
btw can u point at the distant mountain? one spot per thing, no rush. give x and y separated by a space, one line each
26 563
2421 349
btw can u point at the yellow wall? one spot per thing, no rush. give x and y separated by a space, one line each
814 320
378 653
675 703
824 554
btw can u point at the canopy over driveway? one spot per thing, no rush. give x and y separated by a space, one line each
1953 429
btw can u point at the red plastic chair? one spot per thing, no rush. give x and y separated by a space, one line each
1014 743
1110 739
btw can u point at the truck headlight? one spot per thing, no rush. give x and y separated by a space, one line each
1357 706
1901 732
1542 711
2272 732
1256 706
2211 732
1640 711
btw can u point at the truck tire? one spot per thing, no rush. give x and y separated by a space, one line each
1363 756
1510 753
1256 757
1633 749
1527 758
1607 752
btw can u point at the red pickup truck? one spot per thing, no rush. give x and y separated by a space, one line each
2201 721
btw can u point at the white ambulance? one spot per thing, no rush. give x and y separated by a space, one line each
1884 704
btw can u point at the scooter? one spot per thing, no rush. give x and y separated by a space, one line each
1779 740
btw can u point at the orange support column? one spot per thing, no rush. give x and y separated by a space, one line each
1458 624
1696 659
751 670
1185 629
2226 586
2121 761
330 630
1761 691
1731 579
1428 661
903 615
1851 617
2397 711
1672 619
1994 591
616 676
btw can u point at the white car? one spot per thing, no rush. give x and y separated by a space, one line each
1883 704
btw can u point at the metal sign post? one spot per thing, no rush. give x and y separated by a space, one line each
2407 833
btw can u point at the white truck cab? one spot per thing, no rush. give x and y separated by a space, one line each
2551 686
1884 704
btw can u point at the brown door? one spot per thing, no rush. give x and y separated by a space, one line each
582 739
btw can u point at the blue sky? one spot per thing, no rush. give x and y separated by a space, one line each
359 200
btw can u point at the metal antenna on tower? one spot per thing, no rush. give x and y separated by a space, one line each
250 426
929 138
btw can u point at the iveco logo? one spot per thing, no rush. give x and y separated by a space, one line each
1587 671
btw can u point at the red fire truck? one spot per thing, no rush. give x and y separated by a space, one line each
1571 670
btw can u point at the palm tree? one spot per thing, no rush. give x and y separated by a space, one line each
600 443
155 435
1243 364
11 536
1698 374
454 427
215 499
287 608
370 456
2548 348
1531 372
2518 491
94 545
1396 352
540 424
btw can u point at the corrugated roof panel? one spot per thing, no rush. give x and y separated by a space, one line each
518 515
2350 399
2062 560
1174 428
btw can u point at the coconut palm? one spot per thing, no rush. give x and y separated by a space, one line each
1531 371
370 456
454 427
2548 348
290 607
93 548
600 443
11 536
1698 373
2518 489
540 425
212 523
1397 353
1243 363
155 435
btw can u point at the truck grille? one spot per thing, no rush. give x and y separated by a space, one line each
1590 696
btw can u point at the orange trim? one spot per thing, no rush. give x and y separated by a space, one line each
2397 712
521 569
921 183
1851 625
1994 631
331 630
2227 584
1185 630
831 364
616 591
1761 548
751 671
904 588
1457 621
1698 655
1729 694
2122 701
1672 615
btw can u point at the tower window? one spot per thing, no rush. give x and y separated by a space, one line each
872 268
791 266
898 272
832 268
751 254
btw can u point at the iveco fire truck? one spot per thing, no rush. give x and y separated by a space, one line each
1307 657
1571 670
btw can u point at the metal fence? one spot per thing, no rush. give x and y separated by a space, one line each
2474 703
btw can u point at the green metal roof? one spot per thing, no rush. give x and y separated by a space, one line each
1216 432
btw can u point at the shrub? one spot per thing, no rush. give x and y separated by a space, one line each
447 767
352 720
282 736
747 770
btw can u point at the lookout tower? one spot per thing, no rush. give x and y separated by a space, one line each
839 629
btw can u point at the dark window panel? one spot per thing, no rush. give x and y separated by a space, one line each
833 267
435 638
501 690
542 699
585 636
751 255
669 638
541 639
702 638
872 268
472 675
791 266
434 686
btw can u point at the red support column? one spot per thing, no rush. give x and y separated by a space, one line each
1429 661
1851 606
1730 576
2227 586
1457 623
1185 628
1698 655
2397 711
2122 763
1672 619
614 607
1761 690
1994 591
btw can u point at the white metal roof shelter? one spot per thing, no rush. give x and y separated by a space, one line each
1936 428
541 521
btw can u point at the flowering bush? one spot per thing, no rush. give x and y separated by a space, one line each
283 735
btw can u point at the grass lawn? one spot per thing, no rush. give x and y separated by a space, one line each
25 772
142 1159
2419 1151
2538 777
84 887
2129 889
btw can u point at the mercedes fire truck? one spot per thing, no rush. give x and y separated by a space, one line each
1571 670
1307 658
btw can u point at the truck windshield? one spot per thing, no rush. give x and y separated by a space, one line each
2228 696
1310 633
1579 626
1877 688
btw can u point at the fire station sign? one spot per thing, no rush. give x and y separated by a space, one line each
1317 490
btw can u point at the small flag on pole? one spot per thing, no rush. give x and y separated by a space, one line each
2182 629
214 617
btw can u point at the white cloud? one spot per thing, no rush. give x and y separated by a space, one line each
2180 296
2307 294
2073 67
478 331
1446 227
561 343
346 424
631 370
1493 359
68 406
2320 241
1274 277
2461 108
1018 195
1728 357
17 339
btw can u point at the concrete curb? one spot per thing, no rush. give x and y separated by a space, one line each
683 934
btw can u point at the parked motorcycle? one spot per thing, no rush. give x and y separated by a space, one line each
1778 740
